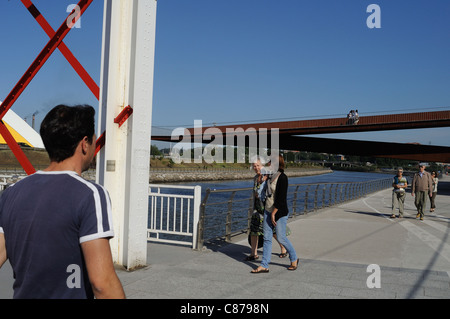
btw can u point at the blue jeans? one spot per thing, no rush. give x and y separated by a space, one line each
281 236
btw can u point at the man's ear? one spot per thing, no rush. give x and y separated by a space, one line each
84 145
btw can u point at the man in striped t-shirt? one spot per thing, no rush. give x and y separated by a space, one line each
54 225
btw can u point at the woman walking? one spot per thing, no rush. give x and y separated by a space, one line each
256 225
257 218
275 217
435 181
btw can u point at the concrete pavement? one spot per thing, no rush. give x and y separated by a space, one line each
346 251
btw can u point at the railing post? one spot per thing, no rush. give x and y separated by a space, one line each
294 204
323 195
250 211
353 187
306 200
201 222
315 197
336 194
330 197
197 204
229 218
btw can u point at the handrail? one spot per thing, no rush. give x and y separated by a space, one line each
218 220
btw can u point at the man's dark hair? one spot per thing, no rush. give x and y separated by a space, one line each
64 127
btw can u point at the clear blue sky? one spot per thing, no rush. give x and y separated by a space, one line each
255 60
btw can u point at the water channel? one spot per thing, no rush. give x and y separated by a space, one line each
334 177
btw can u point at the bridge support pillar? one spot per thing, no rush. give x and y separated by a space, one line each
123 164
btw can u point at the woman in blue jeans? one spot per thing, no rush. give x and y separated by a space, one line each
275 217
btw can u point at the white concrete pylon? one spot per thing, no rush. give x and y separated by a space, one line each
124 162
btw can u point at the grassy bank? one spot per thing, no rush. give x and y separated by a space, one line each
39 159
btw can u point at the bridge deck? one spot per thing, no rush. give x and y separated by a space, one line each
341 125
288 139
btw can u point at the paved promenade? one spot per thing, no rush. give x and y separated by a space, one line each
335 245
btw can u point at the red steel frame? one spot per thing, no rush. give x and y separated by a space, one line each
56 39
63 48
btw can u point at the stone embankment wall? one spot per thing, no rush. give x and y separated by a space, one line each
171 176
177 175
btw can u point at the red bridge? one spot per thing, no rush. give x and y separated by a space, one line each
289 139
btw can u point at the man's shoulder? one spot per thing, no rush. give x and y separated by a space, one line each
52 180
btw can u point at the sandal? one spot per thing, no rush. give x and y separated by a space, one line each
251 258
282 255
291 267
392 216
260 270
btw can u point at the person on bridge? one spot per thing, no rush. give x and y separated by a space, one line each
422 187
54 225
275 217
353 117
398 193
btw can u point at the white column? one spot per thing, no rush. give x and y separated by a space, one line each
124 162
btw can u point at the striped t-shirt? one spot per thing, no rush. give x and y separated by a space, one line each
45 217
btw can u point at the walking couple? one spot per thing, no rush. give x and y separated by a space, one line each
271 194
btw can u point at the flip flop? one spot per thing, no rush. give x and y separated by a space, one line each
260 270
251 258
282 255
292 267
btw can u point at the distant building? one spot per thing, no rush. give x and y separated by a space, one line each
24 134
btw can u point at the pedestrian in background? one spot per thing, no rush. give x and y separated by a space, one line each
260 193
434 192
275 217
398 193
422 187
256 220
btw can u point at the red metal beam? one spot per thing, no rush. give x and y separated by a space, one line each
84 75
39 61
124 115
17 151
37 64
79 69
100 143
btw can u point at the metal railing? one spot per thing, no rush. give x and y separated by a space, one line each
3 182
227 212
174 214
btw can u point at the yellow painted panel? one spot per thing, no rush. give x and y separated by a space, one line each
19 138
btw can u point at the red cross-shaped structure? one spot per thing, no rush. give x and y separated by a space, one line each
56 41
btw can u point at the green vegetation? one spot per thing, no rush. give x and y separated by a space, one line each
160 159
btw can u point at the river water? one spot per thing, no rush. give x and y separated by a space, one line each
334 177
